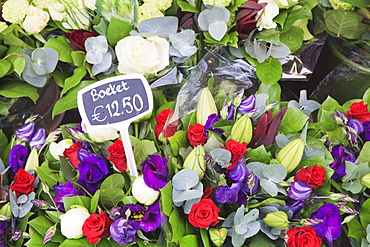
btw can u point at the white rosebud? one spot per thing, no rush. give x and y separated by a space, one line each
100 135
136 54
143 193
57 149
266 15
36 20
72 221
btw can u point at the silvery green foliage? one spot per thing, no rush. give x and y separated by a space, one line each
366 241
352 179
182 45
187 189
98 54
159 25
244 225
214 19
261 50
21 205
39 63
272 232
269 175
125 10
306 106
221 156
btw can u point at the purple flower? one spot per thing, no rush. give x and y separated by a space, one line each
122 231
239 172
231 111
330 228
25 132
65 190
212 119
295 207
226 194
366 133
4 227
38 139
356 125
247 104
17 158
155 172
93 170
340 156
299 191
252 184
147 219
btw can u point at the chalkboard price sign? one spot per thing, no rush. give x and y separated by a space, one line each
116 102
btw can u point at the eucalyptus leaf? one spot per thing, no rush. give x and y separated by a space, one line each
185 179
275 172
269 187
187 195
217 30
159 25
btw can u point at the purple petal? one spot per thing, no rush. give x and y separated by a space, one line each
299 191
38 139
247 104
25 132
356 125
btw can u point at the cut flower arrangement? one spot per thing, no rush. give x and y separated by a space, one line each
237 170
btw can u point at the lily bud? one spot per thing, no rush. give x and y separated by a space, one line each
311 221
206 106
218 236
238 99
290 155
365 180
25 132
195 161
278 219
6 210
242 130
224 110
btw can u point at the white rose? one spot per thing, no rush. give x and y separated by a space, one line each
57 149
265 16
143 193
72 221
57 11
100 135
36 20
143 56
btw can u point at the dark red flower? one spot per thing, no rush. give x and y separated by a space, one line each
96 227
118 155
246 17
237 150
196 135
161 123
77 38
23 183
71 154
359 111
204 214
313 175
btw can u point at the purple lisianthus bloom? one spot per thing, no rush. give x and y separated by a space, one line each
147 218
17 158
330 228
226 194
122 231
239 172
4 227
250 187
231 112
247 104
340 156
356 125
25 132
295 207
38 139
155 172
93 170
366 133
212 119
65 190
299 191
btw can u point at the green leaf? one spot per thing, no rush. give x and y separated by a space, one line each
19 64
54 215
166 199
297 14
293 38
342 23
355 230
205 237
189 241
113 181
267 202
23 226
41 224
293 121
79 58
5 105
17 89
107 243
5 66
185 6
258 154
262 240
111 196
364 155
117 30
328 107
178 226
83 201
269 72
94 202
61 45
48 176
82 242
358 3
37 240
177 141
143 149
365 213
66 169
69 101
74 80
3 144
273 92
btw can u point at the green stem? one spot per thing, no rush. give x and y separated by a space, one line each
136 125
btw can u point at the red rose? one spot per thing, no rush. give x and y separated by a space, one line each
118 155
359 111
237 150
96 227
313 175
77 38
304 236
196 135
71 154
161 121
203 214
23 182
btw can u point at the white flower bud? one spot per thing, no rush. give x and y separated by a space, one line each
72 221
143 193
